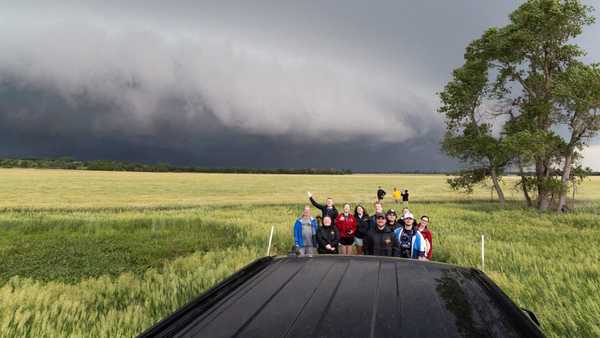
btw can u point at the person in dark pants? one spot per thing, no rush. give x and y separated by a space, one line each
405 198
362 228
328 238
305 234
380 239
326 210
380 194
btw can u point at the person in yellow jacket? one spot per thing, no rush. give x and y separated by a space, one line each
396 195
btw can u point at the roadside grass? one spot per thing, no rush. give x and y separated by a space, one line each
114 270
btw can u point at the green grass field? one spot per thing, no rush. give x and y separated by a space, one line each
107 254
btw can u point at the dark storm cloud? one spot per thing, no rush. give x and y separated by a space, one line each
256 84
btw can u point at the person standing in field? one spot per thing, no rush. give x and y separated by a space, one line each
362 228
378 210
305 233
396 195
380 239
423 227
328 238
390 217
326 210
401 220
408 241
405 198
346 224
380 194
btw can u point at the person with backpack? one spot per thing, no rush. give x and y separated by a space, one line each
328 237
362 228
305 234
408 241
423 227
346 224
326 210
405 198
380 239
380 194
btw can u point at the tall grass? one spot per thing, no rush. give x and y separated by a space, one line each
112 307
114 268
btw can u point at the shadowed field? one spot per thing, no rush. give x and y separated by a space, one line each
109 253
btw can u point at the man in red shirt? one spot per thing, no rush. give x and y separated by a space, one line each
424 230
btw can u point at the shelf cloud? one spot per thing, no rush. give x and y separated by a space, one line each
188 78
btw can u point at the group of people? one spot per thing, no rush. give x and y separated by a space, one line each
396 194
381 234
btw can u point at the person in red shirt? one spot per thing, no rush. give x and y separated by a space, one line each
424 230
346 224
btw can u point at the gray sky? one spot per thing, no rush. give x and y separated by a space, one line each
345 83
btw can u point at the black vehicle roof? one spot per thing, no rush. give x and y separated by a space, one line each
350 296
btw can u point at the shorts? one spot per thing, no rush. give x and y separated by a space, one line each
347 240
358 241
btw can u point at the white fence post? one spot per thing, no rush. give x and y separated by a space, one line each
270 240
482 253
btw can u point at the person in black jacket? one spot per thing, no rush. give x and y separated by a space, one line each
328 237
380 194
390 217
362 228
380 239
326 210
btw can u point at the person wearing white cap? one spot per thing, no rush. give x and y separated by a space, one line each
409 242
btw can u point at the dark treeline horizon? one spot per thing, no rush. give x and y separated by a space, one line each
70 163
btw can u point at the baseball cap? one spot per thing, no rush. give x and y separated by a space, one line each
379 215
391 212
408 215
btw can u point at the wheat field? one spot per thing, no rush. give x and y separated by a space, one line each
107 254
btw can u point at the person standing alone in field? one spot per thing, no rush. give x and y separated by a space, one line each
346 224
326 210
396 195
405 198
305 233
380 194
328 238
423 227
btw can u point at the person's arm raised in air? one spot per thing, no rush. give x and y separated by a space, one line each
315 203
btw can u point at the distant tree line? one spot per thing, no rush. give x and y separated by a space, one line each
113 165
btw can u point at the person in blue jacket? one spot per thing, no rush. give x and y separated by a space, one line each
408 241
305 234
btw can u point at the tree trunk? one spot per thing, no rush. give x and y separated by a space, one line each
562 200
497 186
541 171
524 185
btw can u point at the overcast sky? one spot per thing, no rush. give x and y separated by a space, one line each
344 84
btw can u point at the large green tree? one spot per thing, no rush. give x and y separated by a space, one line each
532 69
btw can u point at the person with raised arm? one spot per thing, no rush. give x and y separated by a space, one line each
326 210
